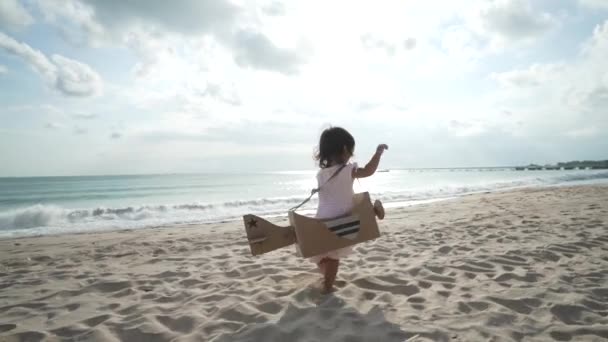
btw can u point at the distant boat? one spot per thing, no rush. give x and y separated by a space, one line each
385 170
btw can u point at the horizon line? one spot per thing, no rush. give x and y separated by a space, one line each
268 171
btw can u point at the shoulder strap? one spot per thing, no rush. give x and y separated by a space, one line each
314 191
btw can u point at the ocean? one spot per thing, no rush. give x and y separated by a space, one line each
53 205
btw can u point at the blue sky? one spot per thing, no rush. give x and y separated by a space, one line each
114 87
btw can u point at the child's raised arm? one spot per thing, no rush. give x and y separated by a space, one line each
372 165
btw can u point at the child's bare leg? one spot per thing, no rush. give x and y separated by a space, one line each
379 209
321 265
330 271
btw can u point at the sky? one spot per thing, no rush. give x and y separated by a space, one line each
91 87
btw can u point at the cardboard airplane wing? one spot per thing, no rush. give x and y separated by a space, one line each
314 236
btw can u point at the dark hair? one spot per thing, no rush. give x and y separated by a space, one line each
331 147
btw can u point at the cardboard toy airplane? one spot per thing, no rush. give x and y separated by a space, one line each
314 236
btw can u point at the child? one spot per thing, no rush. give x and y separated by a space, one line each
335 179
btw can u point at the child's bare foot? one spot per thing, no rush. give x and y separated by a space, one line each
326 290
379 209
330 269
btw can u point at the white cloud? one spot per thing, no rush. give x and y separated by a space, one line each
596 48
3 69
253 49
596 4
461 128
84 116
119 21
463 47
115 135
36 59
371 42
587 80
75 78
45 109
225 94
74 19
534 75
70 77
155 50
80 130
409 43
485 28
186 16
450 39
52 125
515 19
274 8
13 16
589 131
37 108
561 98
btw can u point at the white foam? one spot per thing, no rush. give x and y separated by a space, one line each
51 219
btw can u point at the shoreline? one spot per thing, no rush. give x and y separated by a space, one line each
277 217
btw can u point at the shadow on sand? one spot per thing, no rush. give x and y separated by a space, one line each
331 320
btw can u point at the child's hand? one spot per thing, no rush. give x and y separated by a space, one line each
380 149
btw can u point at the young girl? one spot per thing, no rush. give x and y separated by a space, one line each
335 179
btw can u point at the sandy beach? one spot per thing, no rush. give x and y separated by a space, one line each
523 265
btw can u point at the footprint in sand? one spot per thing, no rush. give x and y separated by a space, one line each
561 336
522 306
30 336
444 249
424 284
416 300
96 320
7 327
183 324
370 284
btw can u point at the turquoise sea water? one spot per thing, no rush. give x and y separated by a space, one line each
49 205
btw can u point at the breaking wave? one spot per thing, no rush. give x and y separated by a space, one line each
51 219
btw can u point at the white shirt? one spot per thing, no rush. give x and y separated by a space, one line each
335 195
